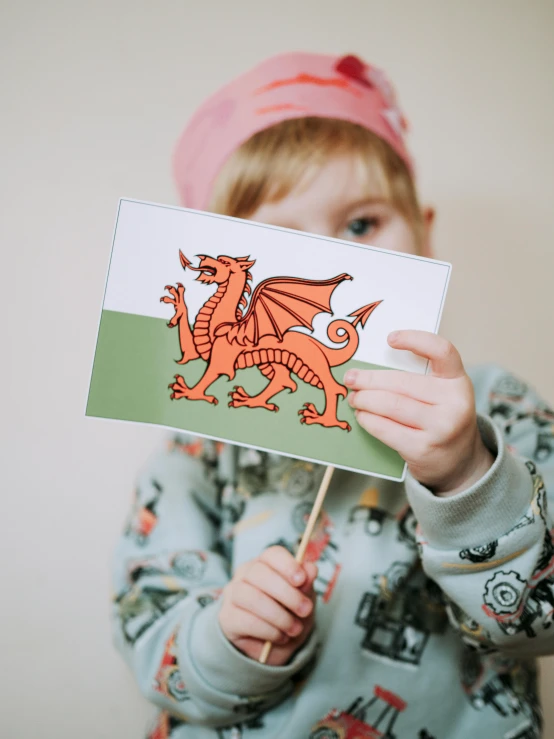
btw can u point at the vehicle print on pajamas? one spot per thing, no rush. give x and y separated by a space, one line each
299 478
481 553
538 506
545 445
515 605
407 525
140 607
399 617
207 450
507 689
191 446
144 514
168 680
545 563
539 501
372 719
321 549
508 407
188 564
473 634
252 468
232 507
371 518
368 513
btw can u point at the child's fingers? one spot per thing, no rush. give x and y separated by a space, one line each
268 581
402 439
241 623
399 408
443 355
249 598
311 574
282 561
418 387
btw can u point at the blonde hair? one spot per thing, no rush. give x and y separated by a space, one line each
267 166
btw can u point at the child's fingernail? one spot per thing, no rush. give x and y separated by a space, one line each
298 577
296 629
351 397
393 336
350 377
304 608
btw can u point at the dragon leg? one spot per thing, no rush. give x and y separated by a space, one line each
222 362
180 389
333 391
280 380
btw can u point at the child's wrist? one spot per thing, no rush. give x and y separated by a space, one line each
468 474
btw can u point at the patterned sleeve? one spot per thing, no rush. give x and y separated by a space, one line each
170 566
490 548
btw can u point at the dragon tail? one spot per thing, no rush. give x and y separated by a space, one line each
340 330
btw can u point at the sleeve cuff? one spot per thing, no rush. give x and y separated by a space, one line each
229 671
485 511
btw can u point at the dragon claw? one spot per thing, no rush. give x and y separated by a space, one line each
309 415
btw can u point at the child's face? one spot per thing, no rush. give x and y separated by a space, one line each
335 203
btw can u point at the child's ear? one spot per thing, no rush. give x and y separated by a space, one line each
428 213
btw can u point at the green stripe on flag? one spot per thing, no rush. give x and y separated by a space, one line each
135 362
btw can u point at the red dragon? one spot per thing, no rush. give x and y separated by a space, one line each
231 333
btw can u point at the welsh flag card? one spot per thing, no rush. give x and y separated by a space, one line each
243 332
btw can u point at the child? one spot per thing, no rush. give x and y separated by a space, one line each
390 628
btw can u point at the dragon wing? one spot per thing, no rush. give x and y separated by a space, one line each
281 303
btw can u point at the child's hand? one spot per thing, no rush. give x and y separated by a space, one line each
429 420
270 598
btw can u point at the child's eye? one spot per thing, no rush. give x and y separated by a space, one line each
362 226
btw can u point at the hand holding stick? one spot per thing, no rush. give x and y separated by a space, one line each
306 538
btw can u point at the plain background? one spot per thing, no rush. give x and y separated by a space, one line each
93 97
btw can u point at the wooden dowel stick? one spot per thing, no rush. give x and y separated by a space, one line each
316 508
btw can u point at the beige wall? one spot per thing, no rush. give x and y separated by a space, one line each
93 97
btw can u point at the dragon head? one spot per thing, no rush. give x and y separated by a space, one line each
217 270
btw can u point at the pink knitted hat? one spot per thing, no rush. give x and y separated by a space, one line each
287 86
